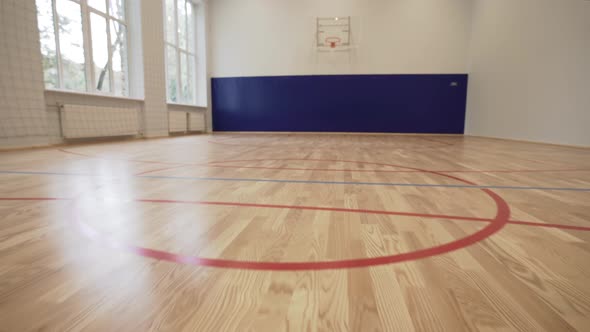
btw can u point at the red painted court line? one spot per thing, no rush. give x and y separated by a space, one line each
320 208
317 208
347 210
394 213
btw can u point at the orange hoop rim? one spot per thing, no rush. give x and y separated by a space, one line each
332 41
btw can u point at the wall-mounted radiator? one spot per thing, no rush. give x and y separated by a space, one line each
183 122
196 121
177 122
80 121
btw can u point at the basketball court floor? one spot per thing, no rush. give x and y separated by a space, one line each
296 232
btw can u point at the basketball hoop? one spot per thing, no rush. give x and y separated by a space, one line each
332 41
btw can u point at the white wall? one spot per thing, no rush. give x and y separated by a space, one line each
276 37
530 72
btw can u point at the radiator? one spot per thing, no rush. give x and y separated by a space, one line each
79 121
177 122
196 121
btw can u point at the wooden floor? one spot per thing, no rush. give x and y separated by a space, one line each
266 232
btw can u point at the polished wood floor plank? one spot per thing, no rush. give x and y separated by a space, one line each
123 243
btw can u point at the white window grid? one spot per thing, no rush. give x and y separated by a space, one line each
86 32
182 51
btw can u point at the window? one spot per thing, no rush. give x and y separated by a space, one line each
180 51
84 45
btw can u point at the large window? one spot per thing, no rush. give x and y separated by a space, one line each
84 45
180 51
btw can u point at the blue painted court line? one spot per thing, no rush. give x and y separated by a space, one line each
363 183
318 182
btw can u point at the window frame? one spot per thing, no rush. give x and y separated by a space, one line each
85 11
192 77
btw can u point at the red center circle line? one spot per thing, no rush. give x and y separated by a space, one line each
192 260
495 224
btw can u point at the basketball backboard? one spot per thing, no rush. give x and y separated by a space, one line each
333 32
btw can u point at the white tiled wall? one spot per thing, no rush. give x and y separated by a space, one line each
22 107
155 108
29 113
